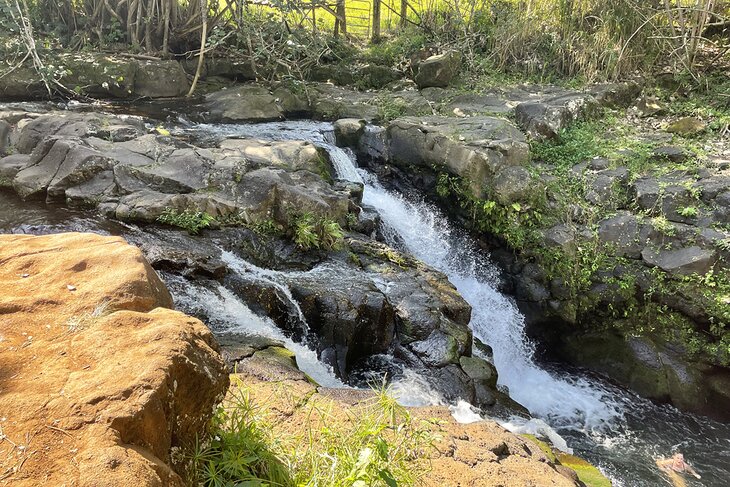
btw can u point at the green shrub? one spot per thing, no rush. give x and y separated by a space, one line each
322 233
190 220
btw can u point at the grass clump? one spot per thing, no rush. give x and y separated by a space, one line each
374 443
309 232
190 220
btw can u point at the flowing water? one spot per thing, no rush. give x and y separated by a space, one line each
618 431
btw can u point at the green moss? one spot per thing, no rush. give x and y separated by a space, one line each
545 447
587 473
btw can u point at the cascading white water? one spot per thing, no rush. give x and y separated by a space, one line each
228 314
567 402
266 275
495 319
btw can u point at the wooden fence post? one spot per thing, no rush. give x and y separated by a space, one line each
376 21
341 18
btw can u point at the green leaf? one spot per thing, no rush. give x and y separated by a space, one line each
388 478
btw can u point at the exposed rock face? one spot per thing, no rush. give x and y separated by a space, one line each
100 381
656 370
477 148
112 164
545 118
248 103
103 76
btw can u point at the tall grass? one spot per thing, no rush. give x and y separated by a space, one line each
374 443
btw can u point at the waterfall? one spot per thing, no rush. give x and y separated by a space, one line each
426 233
268 276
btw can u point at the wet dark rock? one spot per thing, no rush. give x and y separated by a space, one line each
177 252
351 316
236 347
656 370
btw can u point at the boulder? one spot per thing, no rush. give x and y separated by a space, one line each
103 76
98 161
670 153
438 70
4 137
687 126
562 236
545 119
349 131
247 103
474 148
22 83
107 380
681 262
649 106
624 234
512 184
160 79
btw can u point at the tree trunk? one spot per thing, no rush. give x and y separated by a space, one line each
203 36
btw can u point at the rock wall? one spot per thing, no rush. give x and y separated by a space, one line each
101 380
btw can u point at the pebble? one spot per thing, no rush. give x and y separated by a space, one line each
70 287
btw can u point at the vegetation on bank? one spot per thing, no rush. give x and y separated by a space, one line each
378 443
626 302
306 230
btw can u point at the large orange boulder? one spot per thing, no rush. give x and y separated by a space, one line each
100 381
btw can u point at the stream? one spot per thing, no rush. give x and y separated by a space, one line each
613 428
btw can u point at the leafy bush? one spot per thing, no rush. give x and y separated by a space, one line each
192 221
